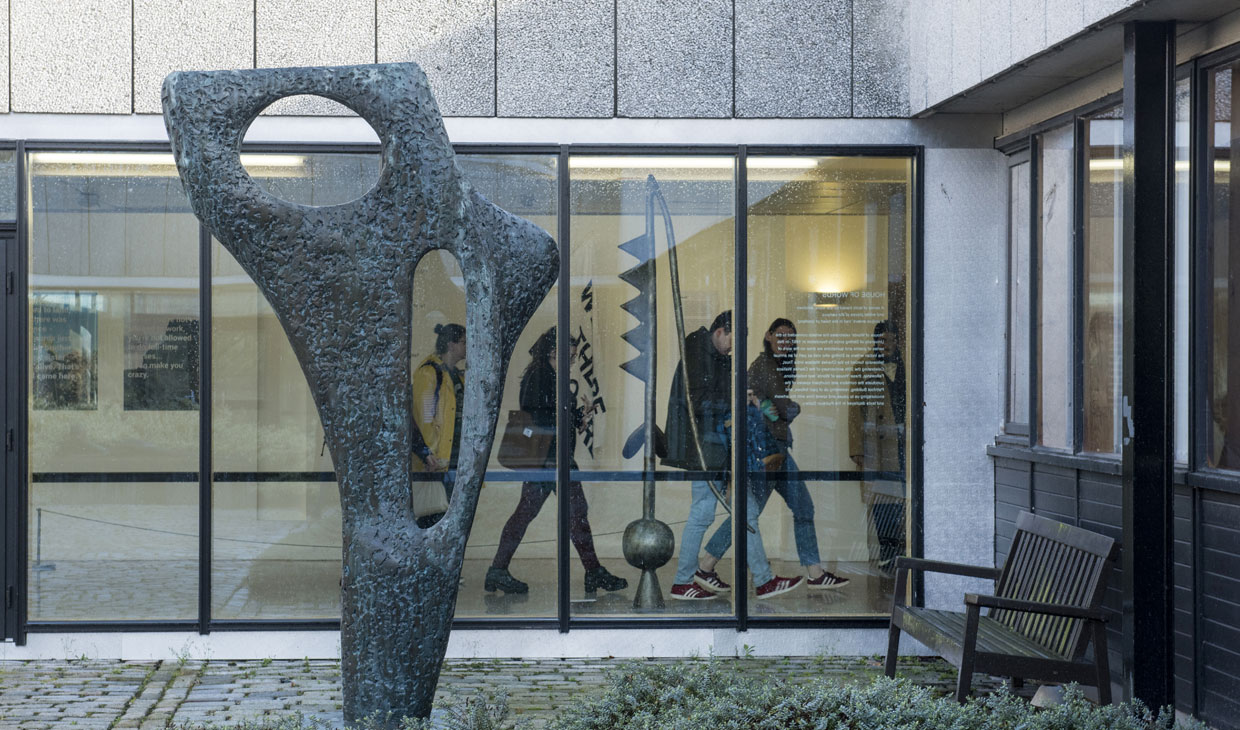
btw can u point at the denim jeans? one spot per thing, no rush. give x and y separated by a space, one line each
796 495
701 515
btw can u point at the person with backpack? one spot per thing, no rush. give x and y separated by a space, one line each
438 403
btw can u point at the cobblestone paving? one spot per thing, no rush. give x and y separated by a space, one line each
100 694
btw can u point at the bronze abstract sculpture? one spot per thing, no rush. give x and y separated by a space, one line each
340 280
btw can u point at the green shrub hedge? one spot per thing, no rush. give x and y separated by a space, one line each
708 696
714 696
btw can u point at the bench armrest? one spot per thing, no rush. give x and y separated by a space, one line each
936 566
1015 604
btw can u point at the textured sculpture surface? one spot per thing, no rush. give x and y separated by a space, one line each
340 280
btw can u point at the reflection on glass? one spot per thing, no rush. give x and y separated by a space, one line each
1054 396
275 549
627 214
1018 293
113 320
273 529
1223 449
8 185
1183 239
316 179
828 260
1103 313
510 560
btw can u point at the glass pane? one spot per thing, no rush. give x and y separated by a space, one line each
316 179
1018 295
510 561
1223 431
1183 243
625 308
1103 313
277 534
113 389
8 185
276 519
827 415
1055 167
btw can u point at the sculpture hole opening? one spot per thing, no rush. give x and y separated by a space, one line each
313 178
439 366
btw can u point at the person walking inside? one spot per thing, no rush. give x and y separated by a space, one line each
538 390
876 415
771 376
708 366
438 402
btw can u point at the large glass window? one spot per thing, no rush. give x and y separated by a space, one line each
827 421
1056 170
1102 314
114 318
114 389
632 220
1222 443
1018 293
1183 269
510 560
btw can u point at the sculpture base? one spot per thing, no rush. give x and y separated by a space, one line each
648 593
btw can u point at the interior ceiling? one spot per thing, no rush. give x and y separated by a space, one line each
1082 55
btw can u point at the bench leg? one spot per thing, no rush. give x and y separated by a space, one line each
893 648
965 681
1101 663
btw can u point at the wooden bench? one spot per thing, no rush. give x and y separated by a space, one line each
1045 609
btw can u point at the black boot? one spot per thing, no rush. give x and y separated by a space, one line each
600 578
501 579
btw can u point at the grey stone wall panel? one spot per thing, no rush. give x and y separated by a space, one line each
1096 10
918 50
72 56
454 43
313 33
674 58
1028 29
793 58
187 35
1064 18
938 59
556 58
967 39
881 58
4 67
996 21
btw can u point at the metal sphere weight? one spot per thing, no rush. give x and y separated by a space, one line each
648 544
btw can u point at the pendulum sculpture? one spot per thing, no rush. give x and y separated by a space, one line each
648 543
340 279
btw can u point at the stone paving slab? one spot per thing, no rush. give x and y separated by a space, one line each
90 694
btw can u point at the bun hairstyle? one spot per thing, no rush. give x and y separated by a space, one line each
446 334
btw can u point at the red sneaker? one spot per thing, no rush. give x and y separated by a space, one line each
828 581
777 585
711 582
690 592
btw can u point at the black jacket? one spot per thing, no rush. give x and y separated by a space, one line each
537 397
710 384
